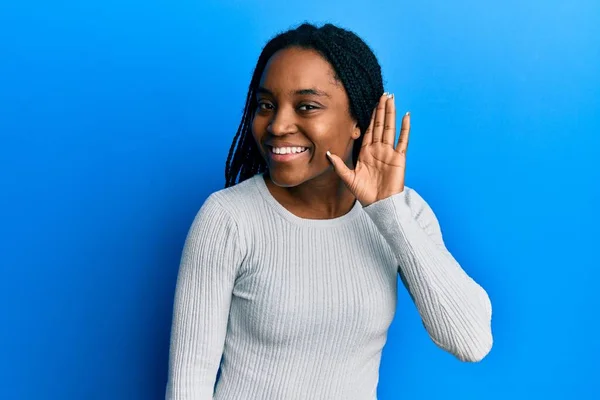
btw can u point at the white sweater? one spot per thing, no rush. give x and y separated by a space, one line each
293 308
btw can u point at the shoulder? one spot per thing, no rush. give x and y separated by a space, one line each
237 200
223 216
232 206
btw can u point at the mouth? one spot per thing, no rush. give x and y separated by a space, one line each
285 154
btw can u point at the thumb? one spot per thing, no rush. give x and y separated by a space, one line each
340 167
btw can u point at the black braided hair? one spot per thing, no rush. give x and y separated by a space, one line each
355 66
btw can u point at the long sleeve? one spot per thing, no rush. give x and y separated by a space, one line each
455 310
211 256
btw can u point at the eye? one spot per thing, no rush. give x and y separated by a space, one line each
263 105
307 107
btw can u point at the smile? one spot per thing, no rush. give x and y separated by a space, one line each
281 154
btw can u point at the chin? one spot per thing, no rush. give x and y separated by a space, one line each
285 179
289 178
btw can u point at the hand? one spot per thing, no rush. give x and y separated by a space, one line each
380 170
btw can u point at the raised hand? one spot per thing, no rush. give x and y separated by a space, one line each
380 169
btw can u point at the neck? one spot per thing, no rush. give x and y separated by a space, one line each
323 197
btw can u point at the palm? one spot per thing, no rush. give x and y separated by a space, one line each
379 173
380 169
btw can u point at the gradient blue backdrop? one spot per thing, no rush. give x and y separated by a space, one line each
115 122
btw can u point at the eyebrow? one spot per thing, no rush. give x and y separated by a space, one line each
309 91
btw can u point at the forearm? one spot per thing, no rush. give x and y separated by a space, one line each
456 311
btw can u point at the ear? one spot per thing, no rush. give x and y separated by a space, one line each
355 132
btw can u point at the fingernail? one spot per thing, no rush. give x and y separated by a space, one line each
390 95
328 153
407 113
385 93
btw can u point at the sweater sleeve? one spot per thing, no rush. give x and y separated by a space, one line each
208 268
455 310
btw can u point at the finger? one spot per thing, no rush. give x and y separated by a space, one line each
404 134
340 167
379 118
368 137
389 124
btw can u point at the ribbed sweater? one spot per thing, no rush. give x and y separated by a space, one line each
292 308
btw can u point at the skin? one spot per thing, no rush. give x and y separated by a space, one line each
301 102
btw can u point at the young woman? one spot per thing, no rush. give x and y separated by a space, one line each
288 278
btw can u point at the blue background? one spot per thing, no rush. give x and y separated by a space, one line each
115 122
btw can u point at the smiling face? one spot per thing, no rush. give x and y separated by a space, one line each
302 112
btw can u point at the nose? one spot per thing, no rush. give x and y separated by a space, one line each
282 123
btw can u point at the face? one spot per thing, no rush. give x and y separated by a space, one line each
302 112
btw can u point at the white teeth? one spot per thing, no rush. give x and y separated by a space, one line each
288 150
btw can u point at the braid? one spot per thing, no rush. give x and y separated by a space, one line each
355 66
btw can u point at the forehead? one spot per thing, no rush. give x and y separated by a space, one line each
297 68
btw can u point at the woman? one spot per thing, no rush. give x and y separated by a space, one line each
288 279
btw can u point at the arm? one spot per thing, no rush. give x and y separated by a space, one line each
455 310
207 272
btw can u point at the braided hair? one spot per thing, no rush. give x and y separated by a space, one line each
355 66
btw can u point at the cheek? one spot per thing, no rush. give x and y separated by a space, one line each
257 128
254 126
333 134
319 132
257 132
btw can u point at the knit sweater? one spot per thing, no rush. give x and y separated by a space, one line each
292 308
